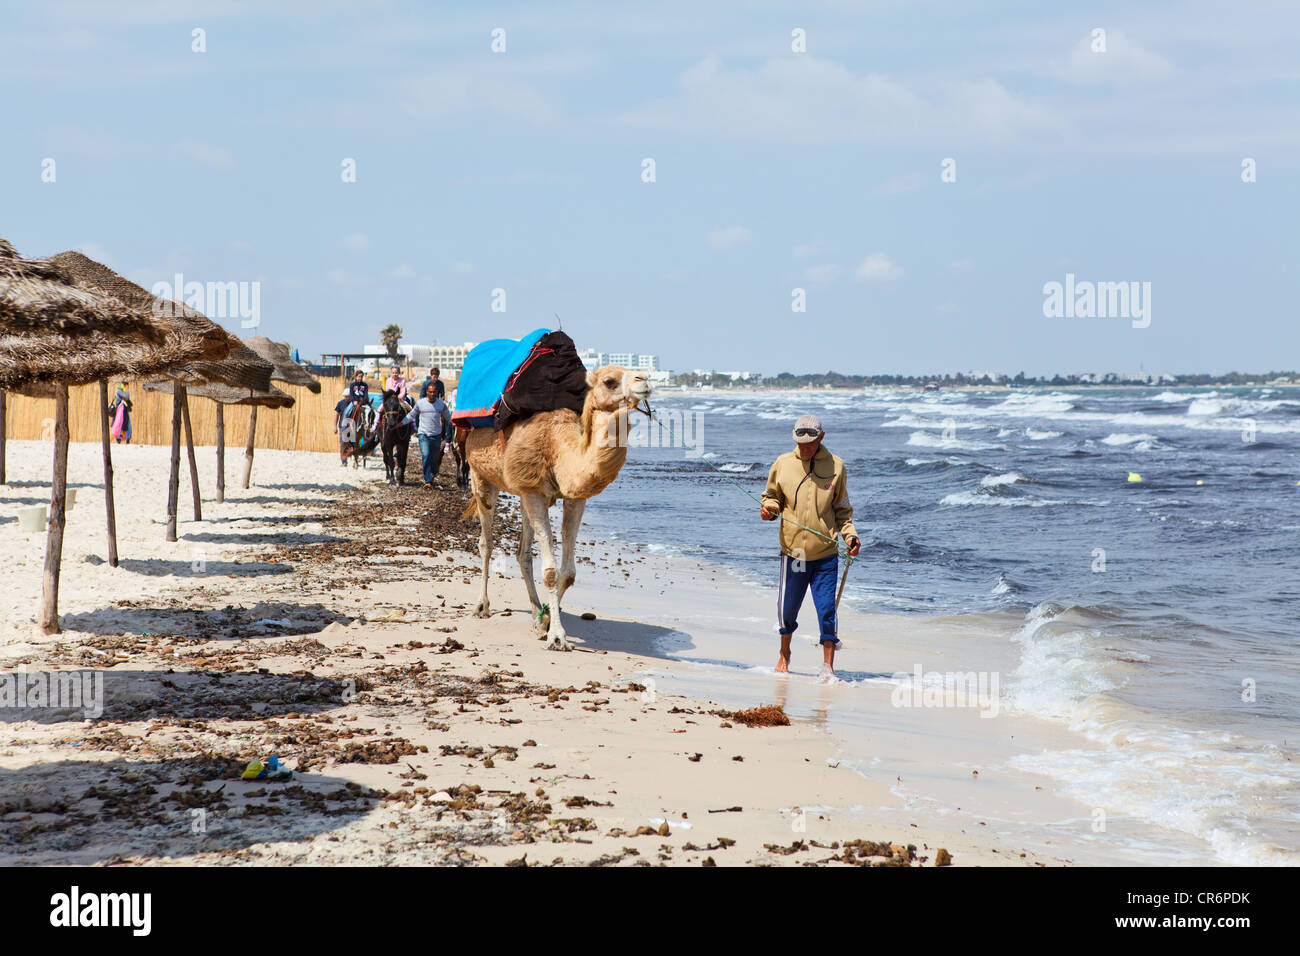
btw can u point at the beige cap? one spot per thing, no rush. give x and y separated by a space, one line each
804 422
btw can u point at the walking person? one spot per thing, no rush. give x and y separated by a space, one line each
808 490
119 415
432 414
342 427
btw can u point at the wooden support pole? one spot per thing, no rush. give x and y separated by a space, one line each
248 449
189 450
4 429
174 479
221 452
107 444
58 504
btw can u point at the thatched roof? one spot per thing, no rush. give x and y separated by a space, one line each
55 328
286 369
226 395
223 358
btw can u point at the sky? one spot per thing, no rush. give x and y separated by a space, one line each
921 170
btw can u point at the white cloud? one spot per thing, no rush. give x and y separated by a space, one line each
204 154
729 236
822 273
357 242
464 268
1125 61
878 267
804 250
809 101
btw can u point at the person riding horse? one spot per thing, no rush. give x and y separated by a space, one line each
394 437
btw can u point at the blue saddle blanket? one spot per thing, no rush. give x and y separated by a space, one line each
486 373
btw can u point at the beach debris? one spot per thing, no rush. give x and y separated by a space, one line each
270 769
695 758
798 846
768 715
942 857
1134 477
588 616
729 810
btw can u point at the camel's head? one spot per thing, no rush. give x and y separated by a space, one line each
614 387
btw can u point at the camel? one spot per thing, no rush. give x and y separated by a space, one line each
549 456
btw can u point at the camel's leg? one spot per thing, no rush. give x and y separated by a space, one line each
526 572
535 508
573 508
485 494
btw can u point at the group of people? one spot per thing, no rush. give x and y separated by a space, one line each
428 411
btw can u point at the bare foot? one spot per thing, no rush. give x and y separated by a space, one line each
783 664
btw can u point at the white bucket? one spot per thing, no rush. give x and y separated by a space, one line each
33 518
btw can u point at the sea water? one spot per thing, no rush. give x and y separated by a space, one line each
1156 620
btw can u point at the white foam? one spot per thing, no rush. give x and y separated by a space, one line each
978 498
929 440
1189 781
997 481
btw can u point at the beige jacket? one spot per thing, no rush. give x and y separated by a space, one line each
814 493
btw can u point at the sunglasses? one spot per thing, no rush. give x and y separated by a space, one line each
807 432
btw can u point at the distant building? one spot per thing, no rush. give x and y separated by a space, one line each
447 358
592 360
414 354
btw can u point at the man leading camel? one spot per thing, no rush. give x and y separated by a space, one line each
808 490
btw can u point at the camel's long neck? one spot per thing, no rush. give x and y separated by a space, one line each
595 459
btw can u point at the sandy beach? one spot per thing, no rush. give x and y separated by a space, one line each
324 617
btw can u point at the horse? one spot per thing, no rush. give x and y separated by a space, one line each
394 437
356 436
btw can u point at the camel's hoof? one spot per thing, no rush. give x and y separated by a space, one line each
558 644
482 610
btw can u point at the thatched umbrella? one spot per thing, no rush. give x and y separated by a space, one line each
55 332
228 361
286 370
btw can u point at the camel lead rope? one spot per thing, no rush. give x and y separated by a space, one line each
655 418
843 577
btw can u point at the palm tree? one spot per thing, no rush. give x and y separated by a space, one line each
390 335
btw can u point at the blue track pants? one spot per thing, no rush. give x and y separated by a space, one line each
796 578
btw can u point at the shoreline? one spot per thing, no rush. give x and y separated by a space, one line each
329 638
